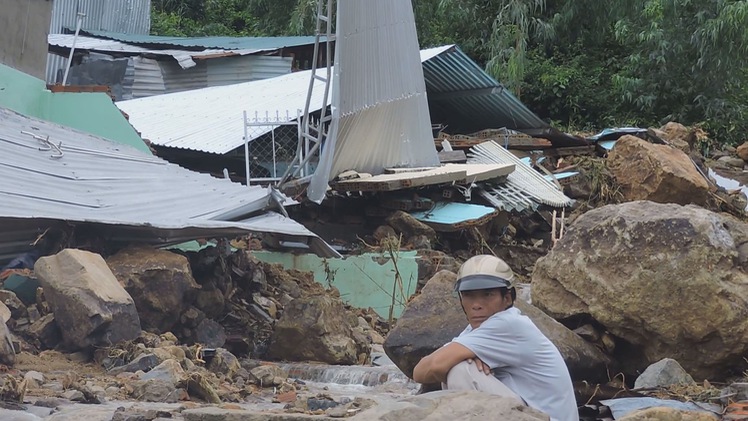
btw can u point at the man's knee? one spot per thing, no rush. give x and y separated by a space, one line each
460 376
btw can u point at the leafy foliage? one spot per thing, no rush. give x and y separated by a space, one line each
582 63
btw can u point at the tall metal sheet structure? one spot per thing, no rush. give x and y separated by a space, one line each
124 16
379 108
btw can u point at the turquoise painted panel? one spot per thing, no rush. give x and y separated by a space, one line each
93 112
364 281
90 112
449 213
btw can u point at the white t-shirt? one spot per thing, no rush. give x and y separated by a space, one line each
524 360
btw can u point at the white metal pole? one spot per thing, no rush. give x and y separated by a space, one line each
72 49
246 148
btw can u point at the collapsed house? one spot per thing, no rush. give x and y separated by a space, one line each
138 66
60 179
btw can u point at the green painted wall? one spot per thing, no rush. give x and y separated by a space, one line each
363 281
90 112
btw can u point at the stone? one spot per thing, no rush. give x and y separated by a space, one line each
159 281
667 414
5 313
192 317
155 390
420 242
210 333
90 306
316 328
34 378
407 225
656 172
664 373
266 375
452 405
7 351
677 135
224 362
169 371
384 231
434 317
732 161
13 303
46 331
211 302
674 272
143 362
742 151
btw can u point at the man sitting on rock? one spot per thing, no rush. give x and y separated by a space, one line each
499 340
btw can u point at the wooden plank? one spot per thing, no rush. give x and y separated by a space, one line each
483 172
458 157
390 182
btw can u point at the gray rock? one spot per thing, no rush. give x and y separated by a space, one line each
13 303
642 270
46 331
212 413
732 161
7 351
449 405
663 373
73 395
169 371
210 333
143 362
224 362
90 306
268 375
155 390
159 281
34 378
435 317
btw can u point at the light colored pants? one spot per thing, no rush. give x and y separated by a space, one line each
465 376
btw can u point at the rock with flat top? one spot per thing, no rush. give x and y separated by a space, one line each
159 281
641 270
90 306
452 405
659 173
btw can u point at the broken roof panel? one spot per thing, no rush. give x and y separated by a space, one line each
77 177
92 112
225 43
523 183
466 98
182 56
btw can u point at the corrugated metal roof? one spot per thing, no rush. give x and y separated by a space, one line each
183 57
523 186
134 195
459 93
211 119
126 16
226 43
467 99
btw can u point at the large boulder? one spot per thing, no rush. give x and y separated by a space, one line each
659 173
435 317
159 281
452 405
90 306
667 280
317 328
